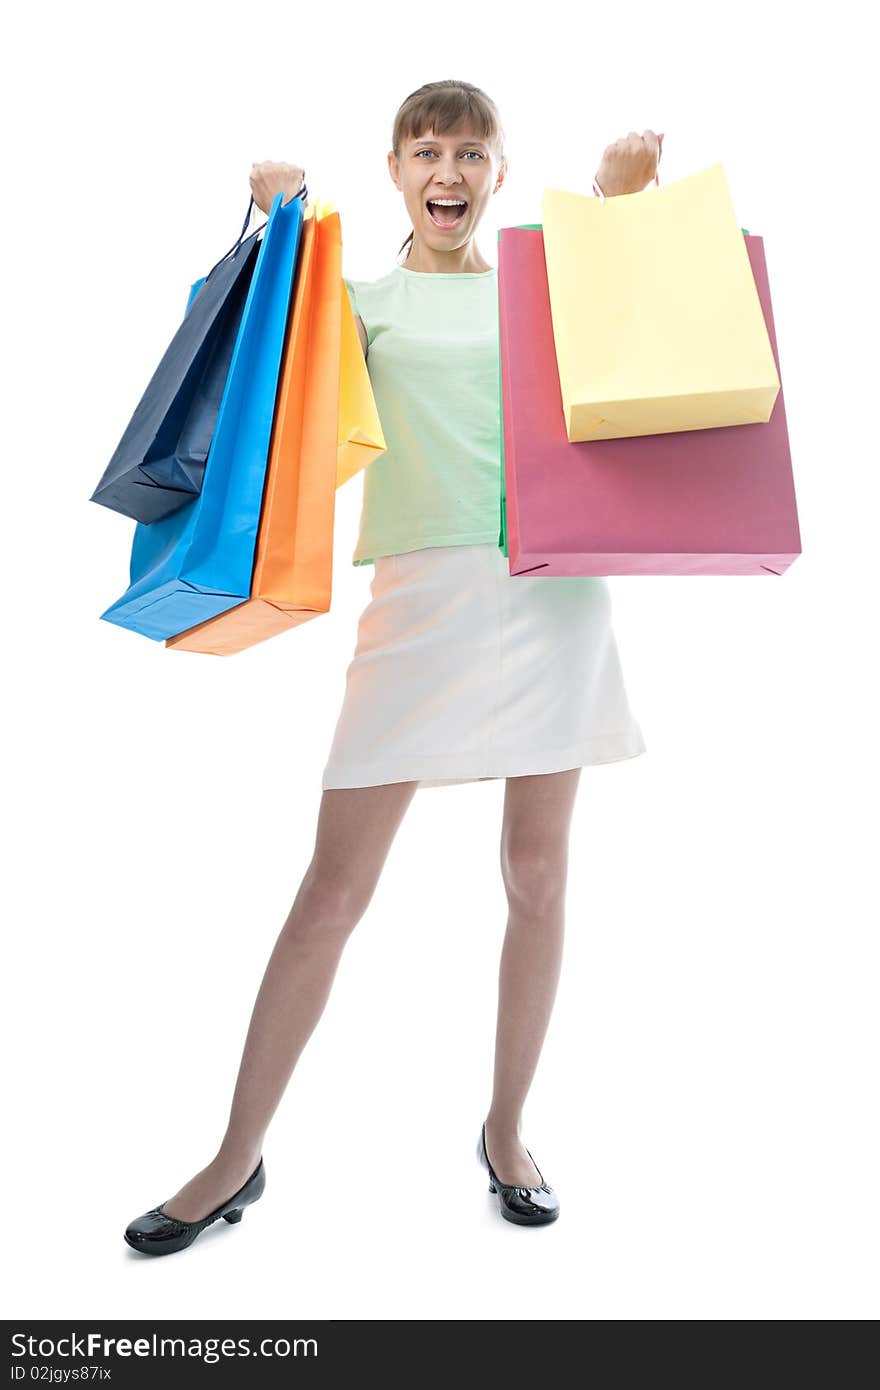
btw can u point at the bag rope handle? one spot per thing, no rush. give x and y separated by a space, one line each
303 193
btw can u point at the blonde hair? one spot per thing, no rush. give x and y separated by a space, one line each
443 107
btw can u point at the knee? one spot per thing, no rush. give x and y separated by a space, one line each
326 906
534 878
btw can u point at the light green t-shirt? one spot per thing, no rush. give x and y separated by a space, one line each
433 360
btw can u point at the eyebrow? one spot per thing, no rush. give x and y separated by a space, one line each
461 142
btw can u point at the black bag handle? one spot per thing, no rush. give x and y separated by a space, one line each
303 193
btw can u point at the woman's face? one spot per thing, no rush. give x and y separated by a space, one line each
459 166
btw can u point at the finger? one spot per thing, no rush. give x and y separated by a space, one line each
652 143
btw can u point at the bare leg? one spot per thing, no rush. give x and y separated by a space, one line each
534 864
356 827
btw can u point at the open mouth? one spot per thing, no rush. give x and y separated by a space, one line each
447 213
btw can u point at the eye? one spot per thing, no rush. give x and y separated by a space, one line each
476 152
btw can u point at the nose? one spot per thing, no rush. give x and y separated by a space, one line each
447 173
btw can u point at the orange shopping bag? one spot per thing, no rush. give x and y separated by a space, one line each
293 565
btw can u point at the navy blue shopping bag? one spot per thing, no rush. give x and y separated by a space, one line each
159 464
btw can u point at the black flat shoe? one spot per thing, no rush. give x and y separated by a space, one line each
527 1206
154 1233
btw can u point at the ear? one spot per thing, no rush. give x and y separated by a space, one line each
394 169
502 174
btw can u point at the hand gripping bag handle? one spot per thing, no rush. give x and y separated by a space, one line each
303 193
597 190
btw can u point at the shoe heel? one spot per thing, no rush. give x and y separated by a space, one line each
233 1216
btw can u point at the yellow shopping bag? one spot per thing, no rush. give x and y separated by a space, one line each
360 430
656 318
360 438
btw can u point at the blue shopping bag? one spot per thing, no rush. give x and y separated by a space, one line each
197 562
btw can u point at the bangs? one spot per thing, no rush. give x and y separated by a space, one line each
445 112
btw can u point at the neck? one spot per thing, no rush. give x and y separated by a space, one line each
463 260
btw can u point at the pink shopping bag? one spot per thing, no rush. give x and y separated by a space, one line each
712 501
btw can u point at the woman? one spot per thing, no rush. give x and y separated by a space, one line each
461 672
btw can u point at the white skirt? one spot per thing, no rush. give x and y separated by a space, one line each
463 672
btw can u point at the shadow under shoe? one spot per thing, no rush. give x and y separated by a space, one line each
527 1206
155 1233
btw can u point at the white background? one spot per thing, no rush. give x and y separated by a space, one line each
706 1101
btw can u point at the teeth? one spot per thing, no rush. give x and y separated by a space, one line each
448 202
